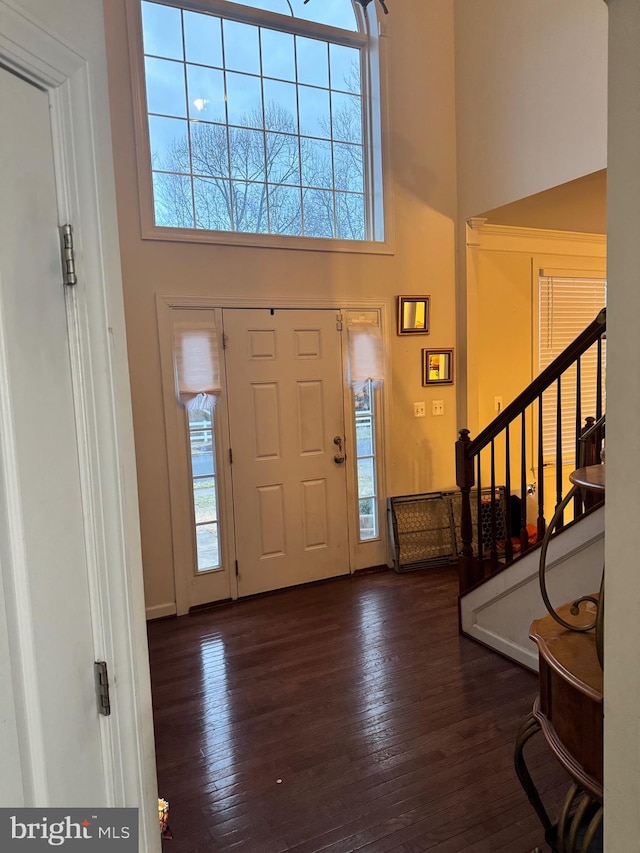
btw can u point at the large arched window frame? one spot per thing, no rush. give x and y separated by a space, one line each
367 39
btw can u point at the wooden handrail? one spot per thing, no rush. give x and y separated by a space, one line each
548 376
476 559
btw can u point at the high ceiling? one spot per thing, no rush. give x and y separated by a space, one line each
579 205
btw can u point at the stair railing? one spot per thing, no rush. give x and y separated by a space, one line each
486 524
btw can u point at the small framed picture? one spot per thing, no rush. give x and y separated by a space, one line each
437 366
413 315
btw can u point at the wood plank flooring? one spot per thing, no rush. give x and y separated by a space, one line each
344 716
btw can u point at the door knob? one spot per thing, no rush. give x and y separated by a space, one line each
340 456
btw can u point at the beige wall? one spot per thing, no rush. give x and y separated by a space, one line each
579 205
531 104
503 264
622 629
420 165
502 304
531 82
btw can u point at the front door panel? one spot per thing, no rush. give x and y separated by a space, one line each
284 379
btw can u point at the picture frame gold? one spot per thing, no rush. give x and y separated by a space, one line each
413 315
437 366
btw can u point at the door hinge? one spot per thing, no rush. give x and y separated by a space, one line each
339 321
237 570
230 456
102 687
68 256
224 341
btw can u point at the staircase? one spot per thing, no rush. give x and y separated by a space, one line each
498 612
511 477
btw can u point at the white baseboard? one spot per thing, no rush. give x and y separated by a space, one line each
512 650
159 611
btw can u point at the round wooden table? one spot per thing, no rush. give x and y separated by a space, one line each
591 478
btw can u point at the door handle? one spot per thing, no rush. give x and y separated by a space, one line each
340 455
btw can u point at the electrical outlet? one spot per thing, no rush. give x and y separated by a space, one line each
437 407
497 404
419 410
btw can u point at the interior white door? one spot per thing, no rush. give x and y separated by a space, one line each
286 419
42 536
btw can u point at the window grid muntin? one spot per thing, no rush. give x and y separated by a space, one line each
285 22
355 41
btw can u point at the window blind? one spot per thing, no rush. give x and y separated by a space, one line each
366 355
566 307
197 363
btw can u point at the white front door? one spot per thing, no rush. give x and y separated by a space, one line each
43 550
286 421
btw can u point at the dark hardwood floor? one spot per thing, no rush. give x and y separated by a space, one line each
349 715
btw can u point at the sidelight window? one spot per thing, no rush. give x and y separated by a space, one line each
366 461
205 490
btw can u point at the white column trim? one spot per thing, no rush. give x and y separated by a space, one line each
105 436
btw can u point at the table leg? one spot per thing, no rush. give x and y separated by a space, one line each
527 730
579 820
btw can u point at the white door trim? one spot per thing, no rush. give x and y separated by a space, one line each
105 436
164 305
180 491
339 302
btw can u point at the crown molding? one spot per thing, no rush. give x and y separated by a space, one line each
518 231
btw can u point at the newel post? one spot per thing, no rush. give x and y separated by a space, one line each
465 481
592 445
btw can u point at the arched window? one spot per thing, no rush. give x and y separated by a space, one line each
333 13
262 119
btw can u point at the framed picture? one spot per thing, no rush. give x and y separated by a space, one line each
437 366
413 315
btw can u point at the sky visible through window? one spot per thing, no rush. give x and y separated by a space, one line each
253 129
334 13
